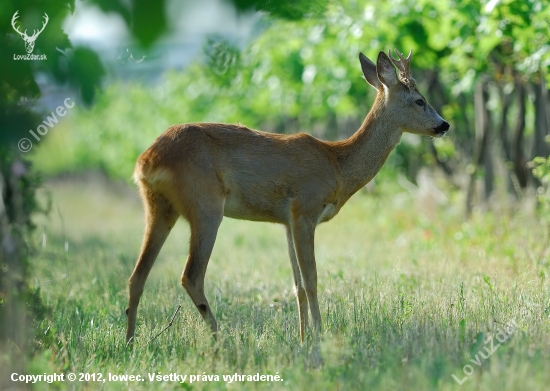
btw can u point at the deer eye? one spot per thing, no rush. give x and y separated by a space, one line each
419 102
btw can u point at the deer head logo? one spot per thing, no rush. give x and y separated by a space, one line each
29 41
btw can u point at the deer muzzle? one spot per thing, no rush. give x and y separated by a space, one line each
441 129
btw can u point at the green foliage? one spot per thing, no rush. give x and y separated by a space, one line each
541 170
80 67
289 10
303 75
222 59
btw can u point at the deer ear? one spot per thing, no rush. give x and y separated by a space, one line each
369 71
386 70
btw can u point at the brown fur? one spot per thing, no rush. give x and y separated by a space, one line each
204 171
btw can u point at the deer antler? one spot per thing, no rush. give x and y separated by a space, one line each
403 64
15 16
36 33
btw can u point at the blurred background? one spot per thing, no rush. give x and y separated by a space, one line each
133 68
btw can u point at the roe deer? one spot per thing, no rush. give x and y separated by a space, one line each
205 171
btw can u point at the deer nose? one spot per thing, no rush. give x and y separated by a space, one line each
441 128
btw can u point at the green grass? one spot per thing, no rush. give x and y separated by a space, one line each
408 291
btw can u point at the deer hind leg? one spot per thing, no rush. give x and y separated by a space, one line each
160 217
203 236
298 285
303 232
201 203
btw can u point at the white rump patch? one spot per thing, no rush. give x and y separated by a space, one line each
328 212
153 176
159 175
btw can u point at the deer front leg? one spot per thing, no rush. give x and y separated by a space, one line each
303 232
298 285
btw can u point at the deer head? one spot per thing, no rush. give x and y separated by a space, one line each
403 102
29 41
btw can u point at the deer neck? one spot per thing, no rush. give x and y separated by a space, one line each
364 153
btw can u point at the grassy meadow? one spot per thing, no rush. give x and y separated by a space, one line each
410 294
